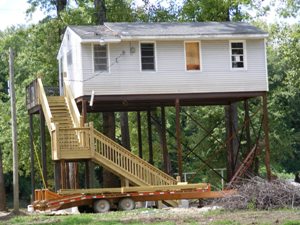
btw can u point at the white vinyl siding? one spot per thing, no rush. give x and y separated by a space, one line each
216 75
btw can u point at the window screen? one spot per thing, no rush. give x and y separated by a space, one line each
192 56
237 55
100 58
147 56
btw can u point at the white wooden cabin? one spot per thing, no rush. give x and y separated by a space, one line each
134 61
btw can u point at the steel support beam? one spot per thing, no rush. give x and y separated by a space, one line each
164 141
43 145
266 131
150 137
139 131
178 138
31 131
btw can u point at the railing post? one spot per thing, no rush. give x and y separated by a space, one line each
57 141
92 139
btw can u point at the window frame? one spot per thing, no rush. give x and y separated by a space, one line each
200 56
108 59
244 54
155 56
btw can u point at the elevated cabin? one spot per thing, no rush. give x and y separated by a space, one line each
144 66
203 63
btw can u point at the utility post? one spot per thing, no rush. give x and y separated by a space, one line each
14 131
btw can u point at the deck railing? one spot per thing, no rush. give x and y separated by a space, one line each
42 100
31 95
126 162
72 106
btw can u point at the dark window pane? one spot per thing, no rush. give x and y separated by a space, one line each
148 60
237 65
100 61
237 45
147 66
100 67
237 51
147 56
100 57
100 54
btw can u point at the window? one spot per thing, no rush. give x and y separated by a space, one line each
147 56
192 55
100 58
237 55
69 58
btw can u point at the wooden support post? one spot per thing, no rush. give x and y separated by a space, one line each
139 131
84 111
266 131
125 137
178 138
89 165
150 137
31 155
164 141
87 172
247 126
43 144
229 133
109 129
63 174
57 175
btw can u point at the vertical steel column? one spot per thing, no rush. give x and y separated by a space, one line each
164 141
57 175
31 155
266 131
150 137
140 141
62 174
178 138
247 125
43 144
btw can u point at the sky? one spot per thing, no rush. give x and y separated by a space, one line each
13 12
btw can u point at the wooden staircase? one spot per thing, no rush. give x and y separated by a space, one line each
60 112
71 140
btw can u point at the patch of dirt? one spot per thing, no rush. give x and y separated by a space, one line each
200 216
10 214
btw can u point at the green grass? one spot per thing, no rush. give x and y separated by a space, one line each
225 222
292 222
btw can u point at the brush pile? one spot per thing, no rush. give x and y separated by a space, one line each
258 193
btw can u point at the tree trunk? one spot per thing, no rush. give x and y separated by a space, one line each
109 127
125 130
100 11
60 6
2 187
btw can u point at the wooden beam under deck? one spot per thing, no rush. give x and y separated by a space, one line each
104 103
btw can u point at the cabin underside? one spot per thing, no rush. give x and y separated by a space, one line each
148 104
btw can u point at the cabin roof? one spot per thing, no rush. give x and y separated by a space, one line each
192 29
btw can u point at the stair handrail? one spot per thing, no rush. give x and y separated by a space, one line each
45 105
75 114
125 151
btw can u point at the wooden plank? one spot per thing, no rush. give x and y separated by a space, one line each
203 186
